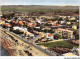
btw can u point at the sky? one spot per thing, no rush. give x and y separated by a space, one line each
39 2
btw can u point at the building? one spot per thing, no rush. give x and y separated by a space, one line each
68 23
54 22
7 24
49 36
19 28
73 18
48 17
9 20
74 27
62 21
29 24
29 34
65 33
2 22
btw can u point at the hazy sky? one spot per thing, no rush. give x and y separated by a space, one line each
39 2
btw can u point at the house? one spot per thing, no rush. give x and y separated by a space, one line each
49 36
68 23
65 33
39 20
72 18
29 34
9 20
63 17
48 17
2 22
29 24
52 22
34 24
56 24
21 23
14 22
62 21
2 18
7 24
49 21
74 27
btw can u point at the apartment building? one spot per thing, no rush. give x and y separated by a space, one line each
65 33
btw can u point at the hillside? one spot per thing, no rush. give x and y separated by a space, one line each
37 7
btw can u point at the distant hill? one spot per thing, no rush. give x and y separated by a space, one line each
39 7
43 9
34 8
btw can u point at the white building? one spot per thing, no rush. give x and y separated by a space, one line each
19 28
49 36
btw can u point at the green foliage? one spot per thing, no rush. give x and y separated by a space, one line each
45 30
17 32
24 25
8 15
40 10
59 36
49 19
64 44
47 24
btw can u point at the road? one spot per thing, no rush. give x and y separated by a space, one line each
36 50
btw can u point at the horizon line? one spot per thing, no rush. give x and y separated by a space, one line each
42 5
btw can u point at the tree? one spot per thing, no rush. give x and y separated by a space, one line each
18 32
57 36
8 15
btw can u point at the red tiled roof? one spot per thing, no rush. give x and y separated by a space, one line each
29 24
56 24
50 34
34 24
14 22
6 24
43 40
25 32
54 21
20 23
3 19
49 21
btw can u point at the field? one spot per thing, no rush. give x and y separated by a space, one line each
62 44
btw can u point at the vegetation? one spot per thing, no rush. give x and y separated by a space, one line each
45 30
8 15
40 39
59 50
57 36
45 9
18 32
62 44
45 19
47 24
24 25
48 31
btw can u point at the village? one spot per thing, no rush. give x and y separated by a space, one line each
58 34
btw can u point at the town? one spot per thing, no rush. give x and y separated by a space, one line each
51 33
